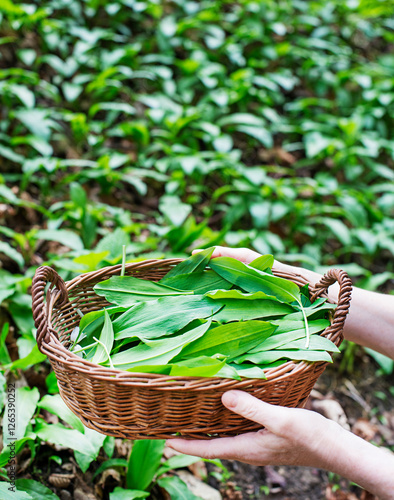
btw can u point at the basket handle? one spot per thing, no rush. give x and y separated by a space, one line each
335 331
44 275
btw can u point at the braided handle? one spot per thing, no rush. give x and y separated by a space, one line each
335 331
44 275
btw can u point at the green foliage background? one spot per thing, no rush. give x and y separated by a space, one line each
168 126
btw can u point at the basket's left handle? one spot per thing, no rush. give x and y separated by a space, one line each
44 275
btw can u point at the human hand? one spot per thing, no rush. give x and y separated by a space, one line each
292 436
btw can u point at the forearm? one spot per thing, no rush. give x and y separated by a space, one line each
370 321
359 461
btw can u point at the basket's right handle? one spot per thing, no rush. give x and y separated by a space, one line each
44 275
344 296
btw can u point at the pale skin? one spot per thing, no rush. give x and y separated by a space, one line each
294 436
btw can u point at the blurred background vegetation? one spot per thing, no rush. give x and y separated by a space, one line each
173 125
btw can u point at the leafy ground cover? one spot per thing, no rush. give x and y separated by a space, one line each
167 126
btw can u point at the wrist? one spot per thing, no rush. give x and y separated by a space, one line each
361 462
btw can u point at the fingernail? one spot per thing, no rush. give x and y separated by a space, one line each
230 399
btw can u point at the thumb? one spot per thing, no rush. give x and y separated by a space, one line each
270 416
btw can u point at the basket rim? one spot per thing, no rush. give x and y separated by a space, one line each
56 350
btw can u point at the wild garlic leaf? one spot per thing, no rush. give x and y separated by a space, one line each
317 343
228 371
295 354
194 264
253 280
237 294
311 311
249 371
107 340
164 316
199 282
230 340
280 339
158 352
242 310
127 290
202 366
263 262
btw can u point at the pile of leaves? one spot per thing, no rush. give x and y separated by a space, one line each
233 320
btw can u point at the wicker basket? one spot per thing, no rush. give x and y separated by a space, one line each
142 405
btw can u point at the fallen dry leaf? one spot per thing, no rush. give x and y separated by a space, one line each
365 429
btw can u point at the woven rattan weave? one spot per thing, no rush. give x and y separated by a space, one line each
137 406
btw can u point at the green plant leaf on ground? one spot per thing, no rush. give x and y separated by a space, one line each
144 462
176 488
7 494
36 490
55 404
122 494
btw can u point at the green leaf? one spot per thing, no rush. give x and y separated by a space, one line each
63 236
107 340
4 355
127 290
176 488
287 332
249 371
58 434
158 352
5 492
194 264
96 441
51 383
113 243
317 343
90 261
35 357
165 316
243 310
201 366
3 391
13 254
19 445
176 211
198 282
5 293
27 400
177 462
385 363
263 262
144 462
122 494
265 357
229 340
239 295
37 491
109 464
253 280
55 404
261 134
